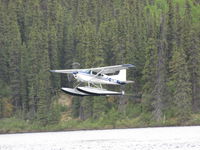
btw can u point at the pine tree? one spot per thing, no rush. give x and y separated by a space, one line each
136 42
3 51
170 30
181 84
108 40
53 53
159 92
13 41
23 79
149 74
190 42
45 102
34 48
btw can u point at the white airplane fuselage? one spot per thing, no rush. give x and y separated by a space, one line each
98 79
115 75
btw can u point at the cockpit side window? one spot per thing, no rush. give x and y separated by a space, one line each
89 71
100 74
94 73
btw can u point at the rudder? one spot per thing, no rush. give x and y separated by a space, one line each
122 75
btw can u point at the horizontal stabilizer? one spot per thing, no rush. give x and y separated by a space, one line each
126 82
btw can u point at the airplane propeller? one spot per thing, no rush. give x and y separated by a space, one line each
70 77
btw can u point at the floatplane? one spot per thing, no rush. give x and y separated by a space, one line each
95 77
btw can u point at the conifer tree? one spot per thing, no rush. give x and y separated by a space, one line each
53 53
181 84
149 74
23 79
13 47
3 52
190 42
170 29
43 86
108 40
159 92
34 48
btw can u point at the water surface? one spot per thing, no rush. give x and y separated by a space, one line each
167 138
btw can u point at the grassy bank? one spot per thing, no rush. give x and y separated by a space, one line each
14 125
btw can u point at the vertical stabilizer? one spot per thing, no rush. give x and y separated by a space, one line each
122 75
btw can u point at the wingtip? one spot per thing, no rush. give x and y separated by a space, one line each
123 93
128 65
51 70
132 65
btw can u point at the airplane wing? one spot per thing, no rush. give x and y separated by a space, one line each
69 71
104 70
111 69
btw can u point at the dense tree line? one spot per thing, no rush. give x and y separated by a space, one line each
160 37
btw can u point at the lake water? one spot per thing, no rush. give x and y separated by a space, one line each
167 138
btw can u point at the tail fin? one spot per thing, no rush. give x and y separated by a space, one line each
122 75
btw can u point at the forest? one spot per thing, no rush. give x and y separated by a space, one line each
160 37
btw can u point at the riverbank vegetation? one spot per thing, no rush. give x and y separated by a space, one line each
17 125
160 37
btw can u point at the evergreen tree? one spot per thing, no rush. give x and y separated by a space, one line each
53 53
3 51
181 84
190 40
170 29
159 92
45 102
13 47
23 79
149 74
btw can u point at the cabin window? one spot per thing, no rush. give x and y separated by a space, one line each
114 73
94 73
89 72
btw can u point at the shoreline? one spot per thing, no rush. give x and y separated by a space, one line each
79 127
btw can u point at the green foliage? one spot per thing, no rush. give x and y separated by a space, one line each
99 107
13 125
54 114
6 107
160 37
133 110
76 102
86 108
181 84
5 89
